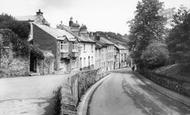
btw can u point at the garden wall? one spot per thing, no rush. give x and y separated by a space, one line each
179 86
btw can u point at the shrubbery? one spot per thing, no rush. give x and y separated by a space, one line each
155 55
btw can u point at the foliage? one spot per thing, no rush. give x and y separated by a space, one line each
147 26
17 32
20 47
155 55
22 29
114 37
179 37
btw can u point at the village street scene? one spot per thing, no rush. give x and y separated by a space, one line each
88 57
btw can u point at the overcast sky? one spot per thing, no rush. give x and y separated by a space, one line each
103 15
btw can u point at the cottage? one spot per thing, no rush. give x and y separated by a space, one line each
87 45
61 43
87 56
123 55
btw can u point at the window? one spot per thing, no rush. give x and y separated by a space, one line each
84 62
80 63
84 47
64 46
61 43
74 46
92 60
88 60
92 48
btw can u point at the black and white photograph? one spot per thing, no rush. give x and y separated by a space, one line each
94 57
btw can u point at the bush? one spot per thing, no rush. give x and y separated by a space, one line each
155 55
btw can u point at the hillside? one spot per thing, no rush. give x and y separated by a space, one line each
177 71
113 37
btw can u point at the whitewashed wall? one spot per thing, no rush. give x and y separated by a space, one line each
87 49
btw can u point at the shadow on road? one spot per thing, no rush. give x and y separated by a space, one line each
143 101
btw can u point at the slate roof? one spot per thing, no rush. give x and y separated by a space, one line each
57 33
103 42
119 46
85 38
81 38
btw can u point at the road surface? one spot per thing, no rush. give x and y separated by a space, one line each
125 94
28 95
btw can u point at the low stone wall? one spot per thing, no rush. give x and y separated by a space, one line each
19 67
15 67
77 85
179 86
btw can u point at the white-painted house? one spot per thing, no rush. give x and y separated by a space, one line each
87 45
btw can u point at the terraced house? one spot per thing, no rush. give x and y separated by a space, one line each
121 54
87 45
104 53
73 47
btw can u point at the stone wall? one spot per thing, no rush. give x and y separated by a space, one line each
179 86
77 86
11 65
19 66
80 82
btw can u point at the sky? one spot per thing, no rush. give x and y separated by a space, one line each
97 15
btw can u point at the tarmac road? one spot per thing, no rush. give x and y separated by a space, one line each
123 93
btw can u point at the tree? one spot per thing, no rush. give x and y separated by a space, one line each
147 26
179 37
22 29
155 55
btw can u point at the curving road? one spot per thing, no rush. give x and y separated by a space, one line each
125 94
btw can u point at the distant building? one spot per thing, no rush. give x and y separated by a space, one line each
121 54
104 53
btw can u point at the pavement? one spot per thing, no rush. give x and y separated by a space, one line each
29 95
124 93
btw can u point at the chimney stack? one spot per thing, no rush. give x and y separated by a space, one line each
39 12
